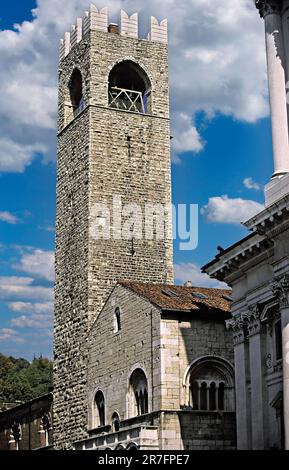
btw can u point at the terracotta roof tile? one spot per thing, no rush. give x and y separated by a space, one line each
181 298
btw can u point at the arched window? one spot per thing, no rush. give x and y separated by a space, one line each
117 320
76 94
99 405
132 446
129 88
138 393
119 447
115 421
210 385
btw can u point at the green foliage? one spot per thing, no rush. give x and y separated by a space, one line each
21 380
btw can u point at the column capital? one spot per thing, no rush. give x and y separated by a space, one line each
268 7
236 324
280 288
253 320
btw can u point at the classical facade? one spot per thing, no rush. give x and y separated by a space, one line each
137 363
257 269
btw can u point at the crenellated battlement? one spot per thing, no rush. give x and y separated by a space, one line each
97 20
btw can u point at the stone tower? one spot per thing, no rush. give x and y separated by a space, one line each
113 146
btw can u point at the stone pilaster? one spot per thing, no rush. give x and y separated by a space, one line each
254 327
280 288
242 402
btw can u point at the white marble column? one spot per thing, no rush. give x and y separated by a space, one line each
256 378
242 400
281 289
270 11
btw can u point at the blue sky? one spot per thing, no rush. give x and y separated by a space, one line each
221 147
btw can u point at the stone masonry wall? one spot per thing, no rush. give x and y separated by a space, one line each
193 430
71 284
93 165
184 340
164 347
138 172
114 356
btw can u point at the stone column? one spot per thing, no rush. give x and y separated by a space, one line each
217 396
256 377
270 11
280 288
242 402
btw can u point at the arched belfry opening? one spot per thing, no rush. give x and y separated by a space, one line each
76 93
129 88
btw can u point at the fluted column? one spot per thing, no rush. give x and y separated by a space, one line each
280 288
270 11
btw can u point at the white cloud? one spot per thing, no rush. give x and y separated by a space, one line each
186 137
209 49
9 218
39 315
15 157
249 183
47 228
191 272
43 322
8 334
222 209
21 289
34 308
38 263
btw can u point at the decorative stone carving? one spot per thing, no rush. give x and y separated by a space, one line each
280 288
247 323
253 320
268 361
268 7
237 326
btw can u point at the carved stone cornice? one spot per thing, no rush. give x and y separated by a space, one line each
268 7
280 288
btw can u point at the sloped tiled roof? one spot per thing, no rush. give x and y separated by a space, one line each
182 298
